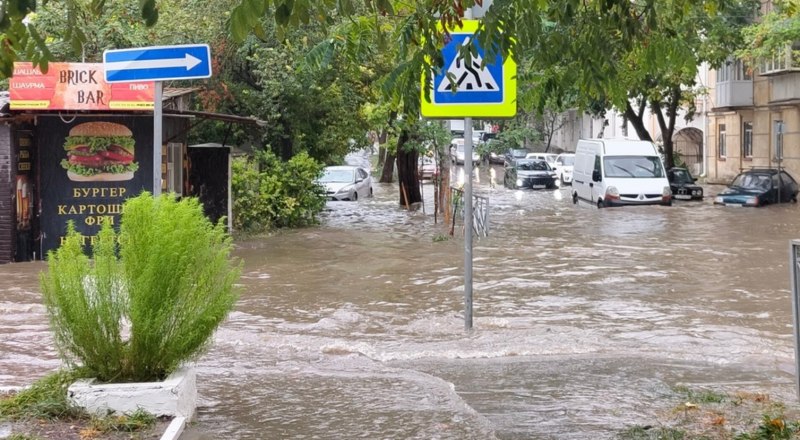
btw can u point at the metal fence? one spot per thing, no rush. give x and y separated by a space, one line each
480 212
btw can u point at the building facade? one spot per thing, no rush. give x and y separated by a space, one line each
755 118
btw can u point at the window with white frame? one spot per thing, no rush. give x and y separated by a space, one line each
747 139
721 140
778 130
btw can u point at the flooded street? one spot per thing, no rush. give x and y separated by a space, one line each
584 320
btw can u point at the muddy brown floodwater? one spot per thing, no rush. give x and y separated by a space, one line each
584 320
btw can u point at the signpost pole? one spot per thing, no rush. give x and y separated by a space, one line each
468 223
157 118
794 260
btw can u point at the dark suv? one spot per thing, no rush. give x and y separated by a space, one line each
759 187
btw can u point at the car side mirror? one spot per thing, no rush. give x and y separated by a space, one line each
359 180
596 176
694 179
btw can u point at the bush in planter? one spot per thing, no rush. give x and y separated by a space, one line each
151 297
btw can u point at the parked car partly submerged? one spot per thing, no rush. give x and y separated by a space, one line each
529 173
427 167
457 151
683 185
565 163
345 182
759 187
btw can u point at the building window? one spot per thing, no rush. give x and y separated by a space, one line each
721 140
735 70
747 139
778 133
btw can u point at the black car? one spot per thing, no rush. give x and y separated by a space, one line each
529 173
759 187
683 184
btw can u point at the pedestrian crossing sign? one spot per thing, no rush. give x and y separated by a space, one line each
489 92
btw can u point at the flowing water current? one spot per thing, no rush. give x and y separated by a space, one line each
584 320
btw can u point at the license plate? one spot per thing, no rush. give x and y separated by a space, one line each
683 196
738 205
538 186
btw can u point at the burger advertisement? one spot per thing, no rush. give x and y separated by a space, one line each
89 167
99 151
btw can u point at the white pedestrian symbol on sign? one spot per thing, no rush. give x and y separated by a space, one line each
469 77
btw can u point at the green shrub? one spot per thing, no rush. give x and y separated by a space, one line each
269 193
152 296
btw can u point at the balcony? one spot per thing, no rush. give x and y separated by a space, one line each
787 61
734 94
734 85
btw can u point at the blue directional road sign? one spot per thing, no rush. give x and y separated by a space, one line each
157 63
474 91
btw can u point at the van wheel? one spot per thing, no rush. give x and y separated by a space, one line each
355 196
574 198
600 203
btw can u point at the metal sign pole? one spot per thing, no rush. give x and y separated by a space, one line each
794 253
157 113
468 223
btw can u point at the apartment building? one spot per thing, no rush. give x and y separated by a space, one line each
755 116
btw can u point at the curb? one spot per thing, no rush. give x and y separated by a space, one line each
175 429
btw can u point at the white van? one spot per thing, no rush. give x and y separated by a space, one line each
613 172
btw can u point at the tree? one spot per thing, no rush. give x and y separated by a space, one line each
774 35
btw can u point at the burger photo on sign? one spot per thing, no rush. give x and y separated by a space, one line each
99 152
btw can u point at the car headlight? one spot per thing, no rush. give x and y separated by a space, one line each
751 200
666 192
519 182
719 199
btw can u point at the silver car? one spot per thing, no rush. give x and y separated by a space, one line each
345 182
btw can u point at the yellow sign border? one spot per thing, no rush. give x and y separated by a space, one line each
505 109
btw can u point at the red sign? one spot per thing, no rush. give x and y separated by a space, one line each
75 86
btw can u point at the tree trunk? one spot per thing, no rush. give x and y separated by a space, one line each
407 172
668 126
381 149
637 120
387 176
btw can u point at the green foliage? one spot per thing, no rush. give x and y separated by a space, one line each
651 433
44 399
772 428
269 193
441 237
139 316
17 436
136 421
773 35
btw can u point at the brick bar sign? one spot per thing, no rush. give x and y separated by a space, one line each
75 86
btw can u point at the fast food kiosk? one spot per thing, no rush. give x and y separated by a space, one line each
73 148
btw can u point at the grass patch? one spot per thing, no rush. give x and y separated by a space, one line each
440 237
45 399
45 404
652 433
136 421
704 414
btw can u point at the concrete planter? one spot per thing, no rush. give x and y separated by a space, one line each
176 396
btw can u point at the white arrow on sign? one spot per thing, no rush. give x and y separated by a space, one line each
187 62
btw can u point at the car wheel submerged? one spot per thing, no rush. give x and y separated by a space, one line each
355 196
600 203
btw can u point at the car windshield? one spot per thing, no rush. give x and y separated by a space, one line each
752 181
637 167
567 160
519 153
332 176
681 176
533 165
